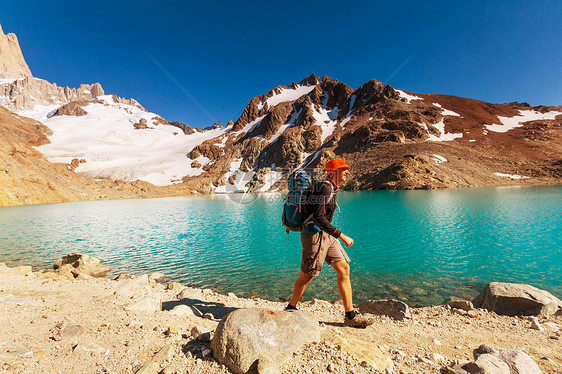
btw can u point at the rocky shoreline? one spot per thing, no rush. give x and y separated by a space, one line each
68 321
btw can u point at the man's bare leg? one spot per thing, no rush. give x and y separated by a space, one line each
344 284
300 285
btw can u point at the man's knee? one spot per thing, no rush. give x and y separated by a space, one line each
342 269
305 278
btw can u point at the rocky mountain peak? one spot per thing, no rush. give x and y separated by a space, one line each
12 63
311 80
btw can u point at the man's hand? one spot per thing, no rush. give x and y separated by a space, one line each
347 241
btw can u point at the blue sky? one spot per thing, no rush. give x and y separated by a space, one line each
225 52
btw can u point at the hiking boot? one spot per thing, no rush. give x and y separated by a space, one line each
360 320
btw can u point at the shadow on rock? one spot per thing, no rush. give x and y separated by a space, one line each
200 307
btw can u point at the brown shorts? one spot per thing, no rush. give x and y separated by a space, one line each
317 248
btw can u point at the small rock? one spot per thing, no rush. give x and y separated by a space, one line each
156 277
182 310
149 303
458 347
172 330
200 333
88 346
174 286
535 325
435 341
460 304
330 367
190 293
205 352
69 331
76 264
166 353
392 308
132 286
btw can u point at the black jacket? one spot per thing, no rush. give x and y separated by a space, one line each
321 204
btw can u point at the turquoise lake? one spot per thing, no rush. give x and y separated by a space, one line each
422 247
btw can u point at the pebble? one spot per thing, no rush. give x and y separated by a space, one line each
172 330
200 333
330 367
206 352
535 325
435 341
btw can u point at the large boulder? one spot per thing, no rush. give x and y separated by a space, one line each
76 264
517 361
513 299
495 360
392 308
252 338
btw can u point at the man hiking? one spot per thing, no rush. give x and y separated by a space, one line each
319 239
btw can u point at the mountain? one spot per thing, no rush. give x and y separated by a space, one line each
391 138
81 143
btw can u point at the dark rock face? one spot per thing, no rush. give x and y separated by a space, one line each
142 124
73 108
514 299
187 130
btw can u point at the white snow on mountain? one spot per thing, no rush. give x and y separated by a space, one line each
114 149
285 126
287 94
446 112
511 176
443 137
438 159
250 126
509 123
407 96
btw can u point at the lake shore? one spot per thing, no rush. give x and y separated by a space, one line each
115 338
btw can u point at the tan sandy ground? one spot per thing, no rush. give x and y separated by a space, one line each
32 305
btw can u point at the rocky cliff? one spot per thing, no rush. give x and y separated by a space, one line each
12 63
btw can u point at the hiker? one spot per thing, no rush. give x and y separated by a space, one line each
319 239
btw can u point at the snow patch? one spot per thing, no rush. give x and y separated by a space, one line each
438 159
114 149
285 126
509 123
444 137
407 96
250 126
512 176
446 112
288 94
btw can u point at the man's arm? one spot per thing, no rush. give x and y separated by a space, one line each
319 210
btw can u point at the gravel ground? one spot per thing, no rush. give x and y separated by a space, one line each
35 307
